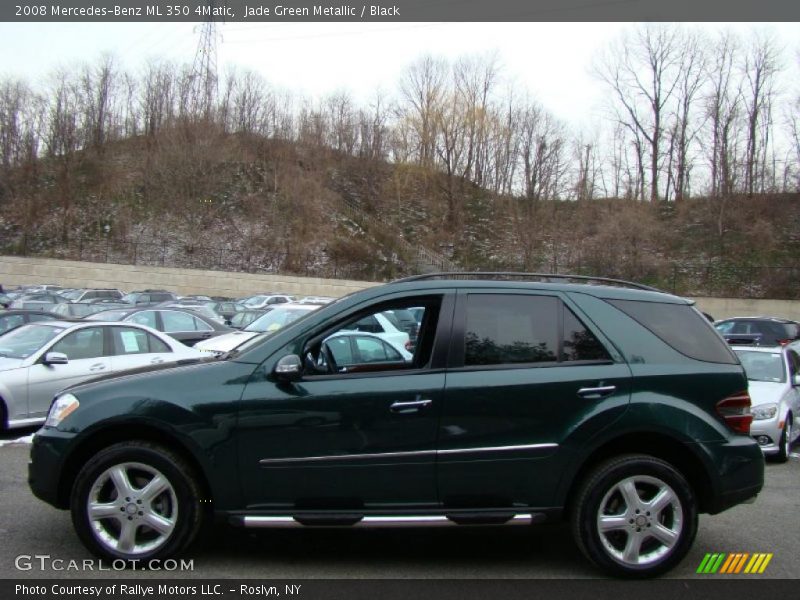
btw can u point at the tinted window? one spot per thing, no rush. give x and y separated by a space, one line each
580 343
680 326
177 321
509 329
81 344
7 323
371 350
147 317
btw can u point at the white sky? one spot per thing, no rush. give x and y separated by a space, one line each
550 60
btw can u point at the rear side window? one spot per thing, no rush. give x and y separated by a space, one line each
680 326
513 329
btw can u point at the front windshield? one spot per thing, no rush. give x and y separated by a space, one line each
763 366
130 298
25 340
275 319
72 295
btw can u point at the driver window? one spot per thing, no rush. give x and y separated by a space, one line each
391 337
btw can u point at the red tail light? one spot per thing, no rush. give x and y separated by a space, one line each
783 342
735 410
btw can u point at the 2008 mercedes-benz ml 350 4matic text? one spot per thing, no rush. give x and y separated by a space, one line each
528 398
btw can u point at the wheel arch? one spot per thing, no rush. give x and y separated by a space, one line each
114 434
656 444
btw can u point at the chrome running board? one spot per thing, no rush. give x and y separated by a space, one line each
285 521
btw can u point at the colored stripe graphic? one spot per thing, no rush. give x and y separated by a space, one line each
734 563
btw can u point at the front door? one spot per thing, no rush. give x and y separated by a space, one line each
355 436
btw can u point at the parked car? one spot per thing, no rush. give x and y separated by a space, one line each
316 300
227 310
86 294
774 386
383 325
278 317
201 308
758 331
347 351
611 405
262 300
183 325
38 360
76 310
11 319
32 300
147 297
243 318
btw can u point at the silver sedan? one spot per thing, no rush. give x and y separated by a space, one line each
773 376
39 360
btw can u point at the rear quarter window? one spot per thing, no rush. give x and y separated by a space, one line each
680 326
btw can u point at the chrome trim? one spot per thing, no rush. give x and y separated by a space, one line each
253 521
387 521
497 448
25 422
270 461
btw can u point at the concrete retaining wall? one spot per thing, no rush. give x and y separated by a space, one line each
21 270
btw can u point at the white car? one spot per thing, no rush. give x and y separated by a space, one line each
40 359
380 325
262 300
268 323
773 376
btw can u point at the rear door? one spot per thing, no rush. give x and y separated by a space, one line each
132 347
528 382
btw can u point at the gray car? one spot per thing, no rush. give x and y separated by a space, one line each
40 359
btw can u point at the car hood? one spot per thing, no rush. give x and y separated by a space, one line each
6 364
227 342
762 392
147 369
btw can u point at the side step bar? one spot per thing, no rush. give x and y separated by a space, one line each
285 521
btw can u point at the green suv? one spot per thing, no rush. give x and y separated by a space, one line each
526 398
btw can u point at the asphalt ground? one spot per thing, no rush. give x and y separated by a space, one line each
29 527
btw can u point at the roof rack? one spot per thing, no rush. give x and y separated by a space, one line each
543 277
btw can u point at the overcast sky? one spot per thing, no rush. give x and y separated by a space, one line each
550 60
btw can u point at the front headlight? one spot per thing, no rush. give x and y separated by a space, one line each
63 406
764 411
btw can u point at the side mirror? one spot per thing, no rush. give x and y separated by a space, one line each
55 358
796 380
289 368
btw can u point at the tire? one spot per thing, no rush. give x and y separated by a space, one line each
785 443
155 524
628 547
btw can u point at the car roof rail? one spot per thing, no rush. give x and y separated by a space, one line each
543 277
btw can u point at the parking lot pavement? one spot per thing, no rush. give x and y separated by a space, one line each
30 527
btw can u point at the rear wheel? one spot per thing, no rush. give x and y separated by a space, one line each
635 516
136 501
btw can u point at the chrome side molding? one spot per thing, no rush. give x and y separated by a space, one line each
387 521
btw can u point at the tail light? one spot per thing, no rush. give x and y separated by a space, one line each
409 345
783 342
735 409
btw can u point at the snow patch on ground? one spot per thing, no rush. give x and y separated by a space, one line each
25 439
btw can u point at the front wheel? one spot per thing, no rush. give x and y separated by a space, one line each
136 501
785 443
635 516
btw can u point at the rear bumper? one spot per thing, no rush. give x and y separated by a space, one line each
739 464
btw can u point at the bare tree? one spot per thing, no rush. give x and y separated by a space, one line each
422 88
642 70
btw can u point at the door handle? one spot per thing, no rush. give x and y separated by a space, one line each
97 367
156 361
404 408
595 393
